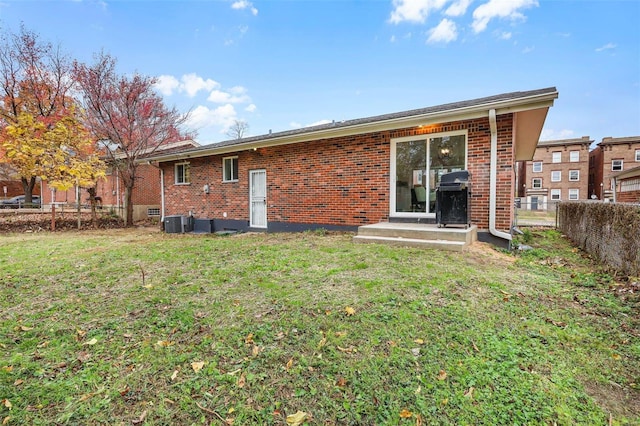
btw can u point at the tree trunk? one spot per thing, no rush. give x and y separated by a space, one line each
27 186
128 191
92 199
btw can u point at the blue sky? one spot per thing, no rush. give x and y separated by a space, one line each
280 64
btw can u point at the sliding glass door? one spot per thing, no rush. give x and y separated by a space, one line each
417 164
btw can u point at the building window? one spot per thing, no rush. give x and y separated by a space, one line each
574 194
574 175
556 157
537 166
536 183
574 156
616 165
555 194
183 175
153 211
637 154
556 176
230 169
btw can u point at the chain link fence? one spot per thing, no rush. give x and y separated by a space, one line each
536 214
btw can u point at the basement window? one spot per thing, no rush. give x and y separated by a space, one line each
153 211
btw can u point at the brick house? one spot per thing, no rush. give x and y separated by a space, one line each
146 196
611 156
627 186
559 171
345 174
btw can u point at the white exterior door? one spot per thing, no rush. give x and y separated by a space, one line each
258 198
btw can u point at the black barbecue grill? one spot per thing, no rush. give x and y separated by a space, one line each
453 197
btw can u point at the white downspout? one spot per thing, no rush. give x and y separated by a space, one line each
161 195
493 178
615 188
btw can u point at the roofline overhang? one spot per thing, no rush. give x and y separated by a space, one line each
526 103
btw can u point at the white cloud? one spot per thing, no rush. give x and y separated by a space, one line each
509 9
445 32
552 135
296 125
319 122
251 108
393 39
415 11
458 8
192 84
528 49
244 4
166 84
608 46
234 95
202 118
505 36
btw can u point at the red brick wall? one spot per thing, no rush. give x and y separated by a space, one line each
338 181
628 197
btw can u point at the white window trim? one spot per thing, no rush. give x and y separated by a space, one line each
577 179
224 169
621 165
555 192
577 153
175 173
553 157
559 176
533 183
576 192
392 166
534 166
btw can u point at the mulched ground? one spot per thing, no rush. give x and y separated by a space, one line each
16 222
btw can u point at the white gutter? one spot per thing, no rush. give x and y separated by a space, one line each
493 178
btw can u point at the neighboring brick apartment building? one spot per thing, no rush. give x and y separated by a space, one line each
610 157
559 171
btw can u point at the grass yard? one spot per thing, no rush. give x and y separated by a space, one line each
138 327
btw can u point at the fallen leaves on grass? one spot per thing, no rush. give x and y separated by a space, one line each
469 392
406 414
242 380
7 368
5 421
7 404
140 419
349 311
289 364
297 419
91 342
197 366
164 343
442 375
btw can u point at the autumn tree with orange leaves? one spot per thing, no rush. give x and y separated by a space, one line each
128 116
41 129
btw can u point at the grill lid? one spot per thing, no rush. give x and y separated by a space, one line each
455 178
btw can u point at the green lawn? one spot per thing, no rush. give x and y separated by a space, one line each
139 327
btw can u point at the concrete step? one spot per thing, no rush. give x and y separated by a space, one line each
418 231
413 242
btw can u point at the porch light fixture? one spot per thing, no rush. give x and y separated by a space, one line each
205 188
